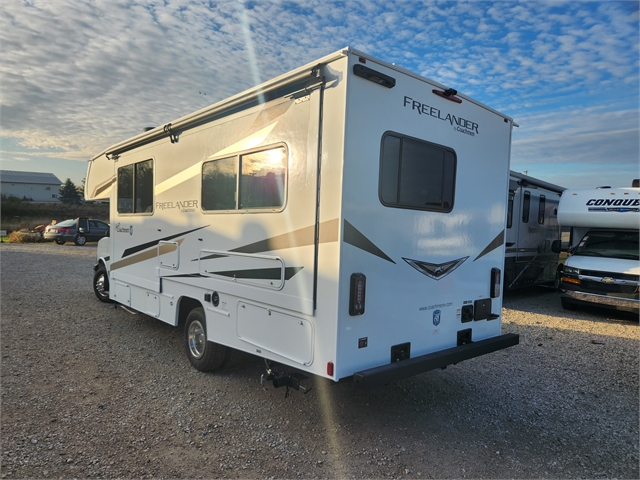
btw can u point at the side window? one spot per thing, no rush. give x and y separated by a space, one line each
250 181
219 184
541 207
416 174
135 188
526 205
510 209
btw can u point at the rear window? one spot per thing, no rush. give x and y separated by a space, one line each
416 174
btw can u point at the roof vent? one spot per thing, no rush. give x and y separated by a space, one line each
146 129
635 183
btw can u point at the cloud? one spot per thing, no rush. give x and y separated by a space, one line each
80 76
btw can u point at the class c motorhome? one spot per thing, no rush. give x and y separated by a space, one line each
346 219
532 227
603 267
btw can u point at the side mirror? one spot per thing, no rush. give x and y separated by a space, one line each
556 246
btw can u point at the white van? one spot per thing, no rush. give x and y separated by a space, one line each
346 219
603 267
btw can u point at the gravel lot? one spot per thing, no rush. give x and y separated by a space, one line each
92 391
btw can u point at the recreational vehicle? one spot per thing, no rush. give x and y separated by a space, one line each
346 219
532 227
603 268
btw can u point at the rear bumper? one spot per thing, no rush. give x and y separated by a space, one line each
407 368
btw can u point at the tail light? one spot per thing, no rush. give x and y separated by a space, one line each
330 369
495 282
64 230
357 294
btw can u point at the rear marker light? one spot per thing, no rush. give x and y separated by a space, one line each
330 369
496 274
374 76
448 94
357 294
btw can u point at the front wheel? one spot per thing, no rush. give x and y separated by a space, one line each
203 355
80 240
101 285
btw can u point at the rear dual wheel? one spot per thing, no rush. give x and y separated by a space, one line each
203 354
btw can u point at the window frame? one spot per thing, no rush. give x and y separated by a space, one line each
541 208
510 204
526 206
238 164
444 149
134 188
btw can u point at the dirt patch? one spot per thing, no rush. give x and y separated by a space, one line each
92 391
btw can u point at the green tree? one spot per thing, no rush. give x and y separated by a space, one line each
69 194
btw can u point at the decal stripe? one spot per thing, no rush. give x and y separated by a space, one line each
144 246
297 238
353 237
254 274
101 188
495 243
260 273
125 262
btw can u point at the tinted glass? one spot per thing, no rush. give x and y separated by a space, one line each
416 174
541 207
144 186
526 205
219 182
262 179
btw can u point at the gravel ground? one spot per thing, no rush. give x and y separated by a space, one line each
92 391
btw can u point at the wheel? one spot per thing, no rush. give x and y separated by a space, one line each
566 304
203 355
556 281
101 285
59 241
80 240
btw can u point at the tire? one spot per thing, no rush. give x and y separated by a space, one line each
60 242
101 285
203 355
80 240
566 304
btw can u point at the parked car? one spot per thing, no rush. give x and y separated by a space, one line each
79 230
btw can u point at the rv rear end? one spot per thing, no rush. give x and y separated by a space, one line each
424 185
346 219
603 268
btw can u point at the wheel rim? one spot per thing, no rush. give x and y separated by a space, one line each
81 241
197 339
100 286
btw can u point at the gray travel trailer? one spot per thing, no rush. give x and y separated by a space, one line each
346 219
532 226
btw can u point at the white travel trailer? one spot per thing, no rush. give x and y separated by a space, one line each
532 226
345 219
604 266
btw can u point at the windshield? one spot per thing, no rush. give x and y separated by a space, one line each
609 243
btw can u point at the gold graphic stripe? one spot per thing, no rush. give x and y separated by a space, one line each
141 257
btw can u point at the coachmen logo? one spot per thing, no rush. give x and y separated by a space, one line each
608 280
435 270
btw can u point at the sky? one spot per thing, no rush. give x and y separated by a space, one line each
78 76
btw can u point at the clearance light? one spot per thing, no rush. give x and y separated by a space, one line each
330 369
571 280
496 274
357 293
